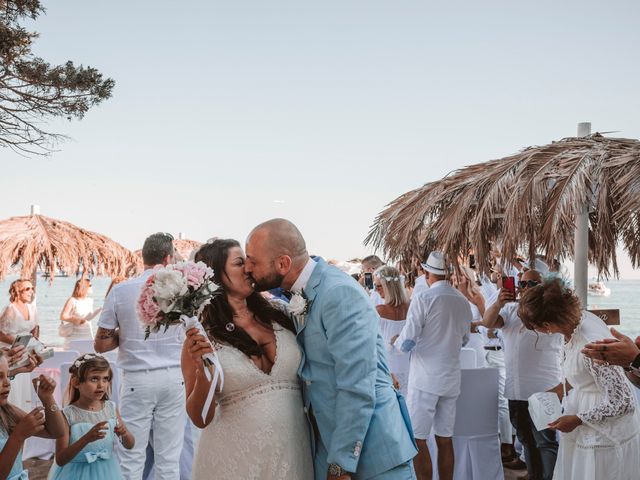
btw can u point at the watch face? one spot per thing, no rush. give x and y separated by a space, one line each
636 362
336 470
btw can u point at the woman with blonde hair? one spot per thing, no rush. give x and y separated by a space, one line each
20 317
389 284
76 315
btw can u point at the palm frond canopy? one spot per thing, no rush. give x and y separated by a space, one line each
37 241
524 202
185 247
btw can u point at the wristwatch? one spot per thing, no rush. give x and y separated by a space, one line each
336 470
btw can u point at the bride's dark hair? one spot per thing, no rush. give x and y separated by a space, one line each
219 313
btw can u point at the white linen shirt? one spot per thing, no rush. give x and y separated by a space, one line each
160 350
420 285
437 321
532 359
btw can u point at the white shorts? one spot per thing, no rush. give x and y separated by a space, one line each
428 411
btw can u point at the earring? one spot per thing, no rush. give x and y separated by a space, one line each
230 327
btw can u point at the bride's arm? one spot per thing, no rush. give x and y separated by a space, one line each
195 381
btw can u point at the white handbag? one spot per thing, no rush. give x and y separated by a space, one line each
65 329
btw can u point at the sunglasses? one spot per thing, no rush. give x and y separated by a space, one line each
528 283
28 289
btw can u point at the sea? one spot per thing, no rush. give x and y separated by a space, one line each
51 297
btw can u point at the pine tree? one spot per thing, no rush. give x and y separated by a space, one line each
33 91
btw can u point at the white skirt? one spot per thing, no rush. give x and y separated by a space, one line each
579 463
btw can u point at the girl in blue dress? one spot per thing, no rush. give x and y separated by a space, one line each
85 451
16 426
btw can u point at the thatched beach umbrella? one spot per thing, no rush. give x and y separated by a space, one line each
527 201
36 241
185 247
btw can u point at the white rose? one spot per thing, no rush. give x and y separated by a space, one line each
168 285
297 304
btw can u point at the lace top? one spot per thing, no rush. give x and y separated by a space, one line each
259 430
618 398
602 396
12 322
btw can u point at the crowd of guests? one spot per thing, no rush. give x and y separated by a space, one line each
537 335
540 339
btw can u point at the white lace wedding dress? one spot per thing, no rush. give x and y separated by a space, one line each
259 430
607 444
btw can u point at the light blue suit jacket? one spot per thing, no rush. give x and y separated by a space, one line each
362 422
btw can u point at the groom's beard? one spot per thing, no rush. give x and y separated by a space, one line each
273 280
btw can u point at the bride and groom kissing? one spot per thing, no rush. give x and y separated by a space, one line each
306 395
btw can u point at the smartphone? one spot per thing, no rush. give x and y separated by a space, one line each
22 339
368 280
472 261
510 284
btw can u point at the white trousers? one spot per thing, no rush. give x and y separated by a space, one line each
153 399
495 359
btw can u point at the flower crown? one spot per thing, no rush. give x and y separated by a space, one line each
398 278
85 358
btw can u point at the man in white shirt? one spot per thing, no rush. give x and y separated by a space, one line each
437 321
532 365
152 389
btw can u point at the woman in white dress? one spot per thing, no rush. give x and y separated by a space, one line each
600 429
389 284
256 428
78 312
18 318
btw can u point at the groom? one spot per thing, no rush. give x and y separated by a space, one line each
361 427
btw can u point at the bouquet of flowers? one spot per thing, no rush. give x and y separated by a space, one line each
174 292
177 294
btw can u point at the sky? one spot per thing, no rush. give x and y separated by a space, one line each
226 114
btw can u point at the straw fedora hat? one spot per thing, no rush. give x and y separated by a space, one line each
435 263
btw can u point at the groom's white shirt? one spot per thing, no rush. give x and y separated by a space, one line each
302 280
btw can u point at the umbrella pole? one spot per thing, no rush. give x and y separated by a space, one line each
581 245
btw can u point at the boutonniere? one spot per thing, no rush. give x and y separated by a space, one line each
299 306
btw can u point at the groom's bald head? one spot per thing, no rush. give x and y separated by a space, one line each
276 254
279 237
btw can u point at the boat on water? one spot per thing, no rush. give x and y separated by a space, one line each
57 274
598 289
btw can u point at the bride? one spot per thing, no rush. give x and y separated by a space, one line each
256 427
600 430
